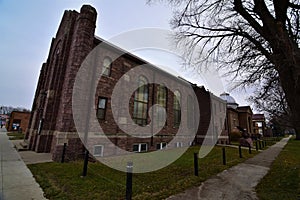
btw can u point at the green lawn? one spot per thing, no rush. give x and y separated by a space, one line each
15 136
283 180
62 181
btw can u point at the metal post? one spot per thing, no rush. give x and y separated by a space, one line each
250 149
63 153
240 151
85 162
196 164
224 156
259 144
129 181
256 145
265 143
89 107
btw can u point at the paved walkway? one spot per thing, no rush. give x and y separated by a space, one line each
31 157
238 182
16 181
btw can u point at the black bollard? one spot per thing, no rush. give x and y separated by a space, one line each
224 156
265 143
196 164
129 181
259 144
249 149
85 162
256 145
63 153
240 151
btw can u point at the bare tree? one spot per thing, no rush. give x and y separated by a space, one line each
273 103
255 40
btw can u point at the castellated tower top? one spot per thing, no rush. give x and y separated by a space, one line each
89 12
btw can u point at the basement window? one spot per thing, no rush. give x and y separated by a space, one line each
98 150
161 145
142 147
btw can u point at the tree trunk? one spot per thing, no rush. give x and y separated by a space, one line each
290 81
297 133
287 62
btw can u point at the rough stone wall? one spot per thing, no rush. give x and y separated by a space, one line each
51 106
82 44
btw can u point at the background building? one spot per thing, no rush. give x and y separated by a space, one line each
18 121
259 124
237 116
4 119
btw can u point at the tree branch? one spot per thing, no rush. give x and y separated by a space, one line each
296 6
238 6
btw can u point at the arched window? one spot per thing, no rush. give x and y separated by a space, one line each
176 108
140 110
106 68
162 101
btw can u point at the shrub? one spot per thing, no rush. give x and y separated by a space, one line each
235 136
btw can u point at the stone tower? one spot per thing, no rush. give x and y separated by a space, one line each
51 122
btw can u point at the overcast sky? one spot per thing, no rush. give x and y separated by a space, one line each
27 28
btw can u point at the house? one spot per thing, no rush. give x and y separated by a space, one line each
18 121
4 119
61 112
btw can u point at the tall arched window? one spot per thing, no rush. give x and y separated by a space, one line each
162 101
176 108
106 68
140 110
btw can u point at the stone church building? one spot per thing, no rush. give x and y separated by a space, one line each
52 124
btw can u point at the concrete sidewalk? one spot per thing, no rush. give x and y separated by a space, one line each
239 181
16 181
31 157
